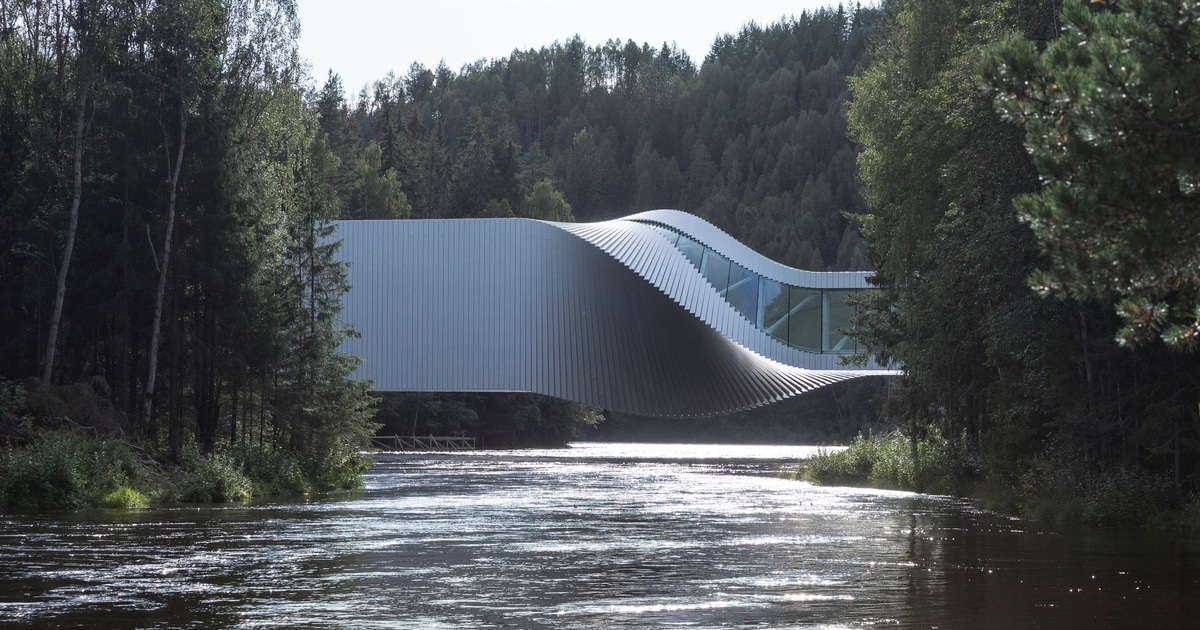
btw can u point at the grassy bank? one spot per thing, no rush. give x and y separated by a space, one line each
68 468
1049 489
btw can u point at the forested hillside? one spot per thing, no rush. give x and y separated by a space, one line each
753 138
167 181
1023 171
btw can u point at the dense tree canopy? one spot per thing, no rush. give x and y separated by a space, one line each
753 139
1111 111
169 145
1029 383
168 183
939 171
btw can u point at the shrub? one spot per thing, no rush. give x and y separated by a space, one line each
1069 493
125 498
873 460
342 471
211 478
272 471
65 469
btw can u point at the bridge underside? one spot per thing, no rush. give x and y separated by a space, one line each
609 314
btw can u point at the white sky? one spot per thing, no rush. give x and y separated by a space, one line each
362 39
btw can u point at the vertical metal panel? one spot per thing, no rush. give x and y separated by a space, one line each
609 314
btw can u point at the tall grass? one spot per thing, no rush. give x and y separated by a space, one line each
1054 488
886 461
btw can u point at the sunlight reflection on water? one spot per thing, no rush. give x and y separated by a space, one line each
598 535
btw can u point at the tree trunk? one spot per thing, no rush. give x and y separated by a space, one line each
60 292
152 371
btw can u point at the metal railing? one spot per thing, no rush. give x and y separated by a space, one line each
423 443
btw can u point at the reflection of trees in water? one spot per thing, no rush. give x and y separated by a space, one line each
496 420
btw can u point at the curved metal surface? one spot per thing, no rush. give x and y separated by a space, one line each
610 314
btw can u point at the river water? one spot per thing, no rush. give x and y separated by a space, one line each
595 536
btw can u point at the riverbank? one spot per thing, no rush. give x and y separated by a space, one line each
67 447
71 468
1050 488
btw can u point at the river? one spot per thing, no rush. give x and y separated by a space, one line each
595 536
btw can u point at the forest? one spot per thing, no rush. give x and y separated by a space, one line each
1030 173
169 177
169 173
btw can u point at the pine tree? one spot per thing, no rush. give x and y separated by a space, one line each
1111 112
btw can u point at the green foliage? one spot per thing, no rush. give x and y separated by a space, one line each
1111 119
251 295
1069 493
125 498
66 469
12 410
377 195
887 461
984 355
753 139
343 470
273 472
939 169
212 478
546 203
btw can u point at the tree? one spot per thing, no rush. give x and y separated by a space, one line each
84 23
329 415
546 203
1111 111
939 169
376 195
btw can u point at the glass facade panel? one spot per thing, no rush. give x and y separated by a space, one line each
691 249
804 318
715 268
837 315
743 291
773 309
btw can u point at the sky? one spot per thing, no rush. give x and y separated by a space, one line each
363 39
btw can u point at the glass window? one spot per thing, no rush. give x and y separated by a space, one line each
691 249
672 237
807 319
715 268
837 315
773 309
804 318
743 291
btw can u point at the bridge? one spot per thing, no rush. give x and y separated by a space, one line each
659 313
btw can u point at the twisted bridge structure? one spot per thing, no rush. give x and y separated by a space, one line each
659 313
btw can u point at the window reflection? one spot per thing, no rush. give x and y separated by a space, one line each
804 318
773 309
837 316
743 291
715 268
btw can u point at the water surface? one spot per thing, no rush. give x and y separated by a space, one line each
596 536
